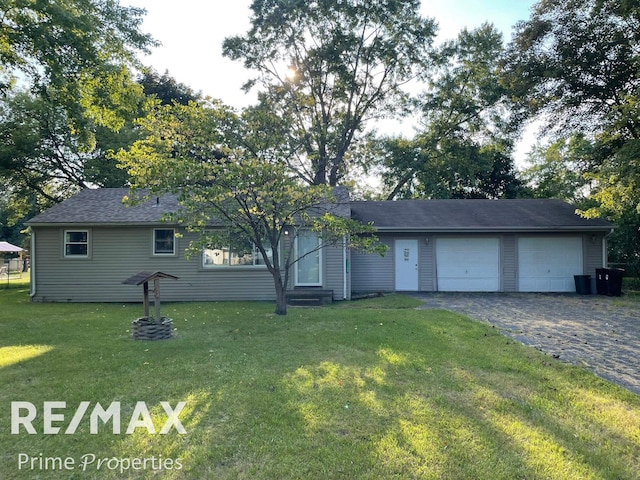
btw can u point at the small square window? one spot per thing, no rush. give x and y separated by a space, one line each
76 243
164 241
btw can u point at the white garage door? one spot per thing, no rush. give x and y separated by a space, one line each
468 264
547 264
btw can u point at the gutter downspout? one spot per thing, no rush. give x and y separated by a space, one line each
345 271
605 250
32 271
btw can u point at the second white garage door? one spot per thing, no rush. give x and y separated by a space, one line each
468 264
547 264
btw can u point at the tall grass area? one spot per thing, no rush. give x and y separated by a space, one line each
362 390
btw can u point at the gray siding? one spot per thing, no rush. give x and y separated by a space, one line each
592 248
372 272
334 264
427 264
509 264
117 253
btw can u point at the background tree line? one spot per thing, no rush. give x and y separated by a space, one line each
327 72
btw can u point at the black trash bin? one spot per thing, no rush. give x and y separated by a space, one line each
614 282
601 281
583 284
609 281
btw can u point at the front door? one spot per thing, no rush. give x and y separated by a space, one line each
406 259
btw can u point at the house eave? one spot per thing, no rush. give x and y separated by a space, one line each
554 229
101 224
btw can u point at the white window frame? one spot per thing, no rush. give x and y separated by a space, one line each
256 261
154 243
65 242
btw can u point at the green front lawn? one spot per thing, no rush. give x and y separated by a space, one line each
369 389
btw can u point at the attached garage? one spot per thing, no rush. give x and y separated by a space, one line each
527 245
468 264
548 264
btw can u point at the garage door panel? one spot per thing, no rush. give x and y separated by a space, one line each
548 264
465 284
468 265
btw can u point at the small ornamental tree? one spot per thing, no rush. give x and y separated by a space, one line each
234 188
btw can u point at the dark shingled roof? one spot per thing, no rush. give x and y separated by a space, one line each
474 215
105 206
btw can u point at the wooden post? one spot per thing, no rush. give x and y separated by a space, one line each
145 289
156 297
143 278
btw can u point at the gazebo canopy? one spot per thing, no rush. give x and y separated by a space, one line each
6 247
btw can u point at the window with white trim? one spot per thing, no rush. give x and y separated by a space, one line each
227 257
164 241
76 243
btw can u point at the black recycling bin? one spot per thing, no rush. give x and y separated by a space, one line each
601 281
614 284
609 281
583 284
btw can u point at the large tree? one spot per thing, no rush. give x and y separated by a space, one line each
63 43
165 88
235 189
556 170
43 152
462 147
65 78
328 67
575 66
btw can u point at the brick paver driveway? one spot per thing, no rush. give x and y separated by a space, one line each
600 333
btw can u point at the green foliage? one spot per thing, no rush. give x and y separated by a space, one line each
68 95
42 152
462 149
557 170
78 100
75 56
575 61
44 156
165 88
328 67
61 44
234 186
575 65
39 153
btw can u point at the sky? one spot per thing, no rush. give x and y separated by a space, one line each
191 33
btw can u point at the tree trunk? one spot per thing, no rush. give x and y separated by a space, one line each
281 297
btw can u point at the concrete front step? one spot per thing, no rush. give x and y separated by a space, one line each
309 297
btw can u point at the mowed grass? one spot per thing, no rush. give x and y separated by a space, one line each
362 390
